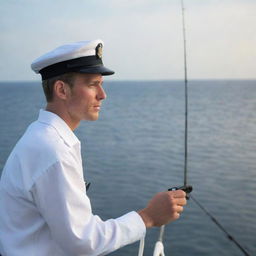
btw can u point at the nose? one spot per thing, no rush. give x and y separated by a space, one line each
101 94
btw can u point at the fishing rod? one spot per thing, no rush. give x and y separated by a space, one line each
229 236
186 96
159 247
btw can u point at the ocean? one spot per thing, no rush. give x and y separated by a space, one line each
136 149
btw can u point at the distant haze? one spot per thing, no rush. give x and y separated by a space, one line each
143 38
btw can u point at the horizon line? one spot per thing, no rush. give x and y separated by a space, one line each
142 80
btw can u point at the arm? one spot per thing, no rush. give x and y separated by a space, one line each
60 196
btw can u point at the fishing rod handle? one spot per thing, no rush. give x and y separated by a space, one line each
186 188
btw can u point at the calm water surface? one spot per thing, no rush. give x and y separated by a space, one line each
137 149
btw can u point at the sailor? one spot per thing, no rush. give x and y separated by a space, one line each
44 208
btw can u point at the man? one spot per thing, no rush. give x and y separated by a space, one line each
44 209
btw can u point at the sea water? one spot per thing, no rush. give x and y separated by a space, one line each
136 149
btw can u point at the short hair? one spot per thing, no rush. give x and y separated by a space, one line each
48 84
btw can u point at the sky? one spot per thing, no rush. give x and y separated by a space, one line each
142 38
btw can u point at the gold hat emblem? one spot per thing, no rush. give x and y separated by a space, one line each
99 50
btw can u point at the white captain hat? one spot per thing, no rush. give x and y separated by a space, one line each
82 57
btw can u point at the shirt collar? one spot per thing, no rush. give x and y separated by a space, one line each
60 125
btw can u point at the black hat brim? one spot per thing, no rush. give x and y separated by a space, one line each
85 65
96 70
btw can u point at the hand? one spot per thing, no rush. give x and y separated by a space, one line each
163 208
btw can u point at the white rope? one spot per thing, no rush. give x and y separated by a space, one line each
159 249
141 248
159 246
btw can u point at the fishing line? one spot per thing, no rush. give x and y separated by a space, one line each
229 236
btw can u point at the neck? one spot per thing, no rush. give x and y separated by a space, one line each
62 113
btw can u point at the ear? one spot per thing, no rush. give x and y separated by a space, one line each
61 90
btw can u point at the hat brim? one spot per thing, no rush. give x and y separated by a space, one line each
96 70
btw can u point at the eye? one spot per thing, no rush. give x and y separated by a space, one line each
95 84
92 84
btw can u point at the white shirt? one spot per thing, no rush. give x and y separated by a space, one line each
44 209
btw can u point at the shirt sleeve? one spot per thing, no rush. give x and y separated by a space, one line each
62 201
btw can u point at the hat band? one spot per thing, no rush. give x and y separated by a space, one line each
67 66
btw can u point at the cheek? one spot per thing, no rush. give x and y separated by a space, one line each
81 99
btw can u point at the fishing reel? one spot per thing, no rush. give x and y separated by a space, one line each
186 188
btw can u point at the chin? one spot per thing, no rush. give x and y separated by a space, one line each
92 118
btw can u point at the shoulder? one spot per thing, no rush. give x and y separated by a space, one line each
41 138
50 132
40 147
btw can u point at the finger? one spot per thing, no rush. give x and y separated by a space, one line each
176 215
181 201
178 193
179 209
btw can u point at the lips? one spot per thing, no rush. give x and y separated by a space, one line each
97 107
